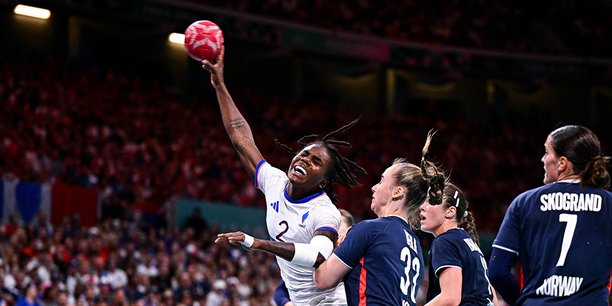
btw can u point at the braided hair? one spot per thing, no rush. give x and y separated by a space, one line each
342 169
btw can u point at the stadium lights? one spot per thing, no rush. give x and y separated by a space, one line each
32 11
176 38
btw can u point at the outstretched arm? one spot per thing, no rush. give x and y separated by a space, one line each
236 126
303 254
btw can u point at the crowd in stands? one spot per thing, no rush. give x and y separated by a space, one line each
580 28
128 262
142 146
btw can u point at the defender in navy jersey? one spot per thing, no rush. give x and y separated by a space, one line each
384 255
301 217
380 260
561 232
459 269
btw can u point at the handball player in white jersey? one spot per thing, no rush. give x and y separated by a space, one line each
301 217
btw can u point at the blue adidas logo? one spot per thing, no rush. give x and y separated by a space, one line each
274 206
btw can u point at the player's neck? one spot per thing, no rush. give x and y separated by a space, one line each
394 211
568 177
445 227
403 217
299 193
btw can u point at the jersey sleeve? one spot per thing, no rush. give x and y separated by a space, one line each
267 176
324 217
445 254
355 245
508 238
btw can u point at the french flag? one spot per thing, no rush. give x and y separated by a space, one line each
25 200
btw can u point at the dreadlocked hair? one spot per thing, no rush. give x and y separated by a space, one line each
432 174
343 169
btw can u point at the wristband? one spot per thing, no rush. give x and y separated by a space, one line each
248 241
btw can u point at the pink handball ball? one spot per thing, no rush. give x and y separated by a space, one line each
203 40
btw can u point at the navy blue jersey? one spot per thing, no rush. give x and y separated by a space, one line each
563 236
455 248
386 261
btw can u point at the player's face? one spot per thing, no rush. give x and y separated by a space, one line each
309 168
382 192
432 217
551 162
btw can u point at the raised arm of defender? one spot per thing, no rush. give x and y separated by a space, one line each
236 126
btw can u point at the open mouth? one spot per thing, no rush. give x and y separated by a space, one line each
300 170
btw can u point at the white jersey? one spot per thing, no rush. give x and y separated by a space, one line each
296 220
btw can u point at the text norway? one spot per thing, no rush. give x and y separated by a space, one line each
558 285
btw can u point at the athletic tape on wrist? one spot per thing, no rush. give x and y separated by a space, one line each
248 241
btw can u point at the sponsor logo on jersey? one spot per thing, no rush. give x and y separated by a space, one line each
304 217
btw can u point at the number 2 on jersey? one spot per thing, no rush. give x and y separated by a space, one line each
568 235
278 237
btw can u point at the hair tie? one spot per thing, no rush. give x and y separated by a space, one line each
465 214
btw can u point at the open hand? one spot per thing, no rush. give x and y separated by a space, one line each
216 69
234 238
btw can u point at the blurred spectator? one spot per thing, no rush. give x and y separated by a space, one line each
196 222
30 297
216 296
